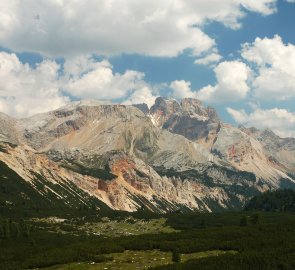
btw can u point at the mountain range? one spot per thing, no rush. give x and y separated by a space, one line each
176 155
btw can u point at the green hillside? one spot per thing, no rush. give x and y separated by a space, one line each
19 198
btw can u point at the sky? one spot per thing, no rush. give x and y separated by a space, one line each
235 55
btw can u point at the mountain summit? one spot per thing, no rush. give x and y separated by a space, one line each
175 155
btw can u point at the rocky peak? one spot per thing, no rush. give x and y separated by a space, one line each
77 123
267 133
163 109
212 114
142 107
188 118
192 106
251 131
166 106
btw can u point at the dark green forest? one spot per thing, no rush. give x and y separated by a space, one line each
279 200
261 240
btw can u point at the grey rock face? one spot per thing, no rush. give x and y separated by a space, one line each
142 107
280 151
8 132
188 118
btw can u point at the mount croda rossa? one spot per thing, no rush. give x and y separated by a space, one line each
174 156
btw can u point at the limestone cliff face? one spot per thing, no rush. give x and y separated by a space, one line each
279 151
134 184
259 152
188 118
172 156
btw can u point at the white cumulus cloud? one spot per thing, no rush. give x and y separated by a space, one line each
281 121
209 59
87 78
25 90
232 77
275 62
143 95
182 89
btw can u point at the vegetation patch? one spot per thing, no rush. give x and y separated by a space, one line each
279 200
104 174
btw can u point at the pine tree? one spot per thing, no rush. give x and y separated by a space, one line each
176 257
203 223
255 219
6 227
26 231
1 230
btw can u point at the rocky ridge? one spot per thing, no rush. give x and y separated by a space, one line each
175 155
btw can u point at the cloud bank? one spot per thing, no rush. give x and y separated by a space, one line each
26 91
107 27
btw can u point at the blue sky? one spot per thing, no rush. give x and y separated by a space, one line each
56 51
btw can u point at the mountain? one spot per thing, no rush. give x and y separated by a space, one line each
175 155
268 157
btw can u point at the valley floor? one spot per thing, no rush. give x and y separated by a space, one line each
237 240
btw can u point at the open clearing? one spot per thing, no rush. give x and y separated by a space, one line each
132 260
